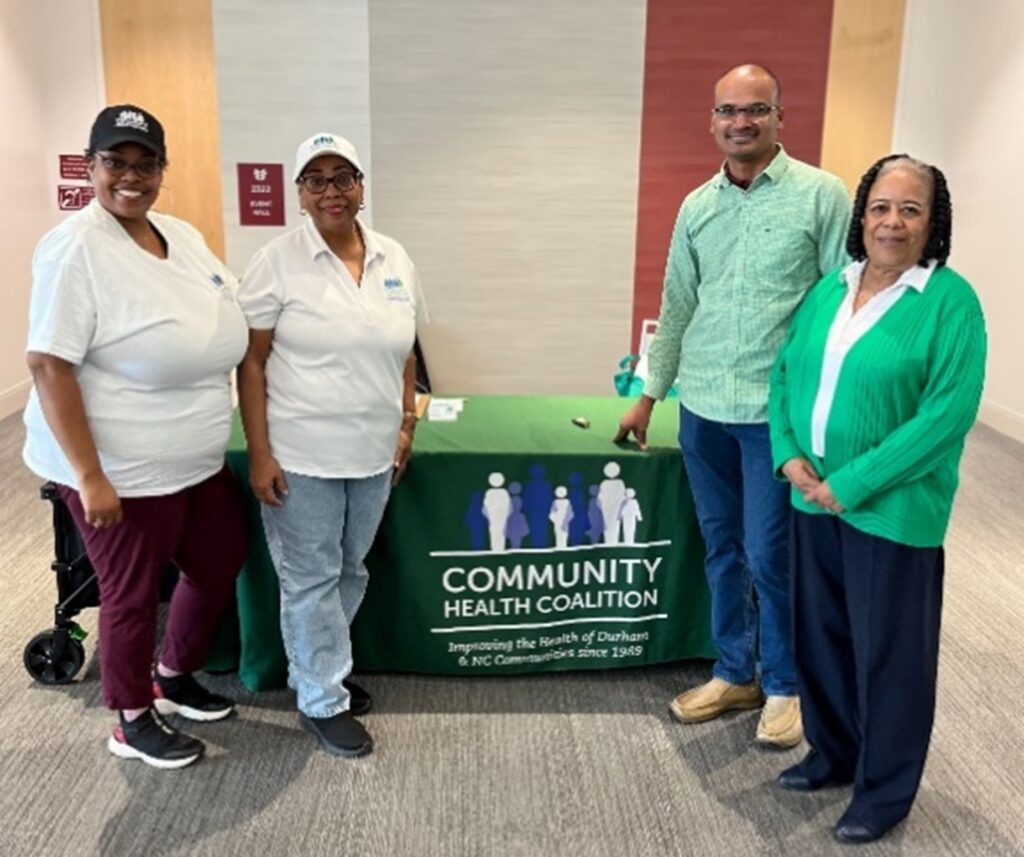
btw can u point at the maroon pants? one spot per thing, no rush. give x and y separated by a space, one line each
202 529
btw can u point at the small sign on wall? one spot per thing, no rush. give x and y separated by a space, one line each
261 194
74 167
74 197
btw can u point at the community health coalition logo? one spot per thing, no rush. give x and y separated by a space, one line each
540 514
553 552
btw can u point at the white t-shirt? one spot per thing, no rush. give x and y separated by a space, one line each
153 341
335 371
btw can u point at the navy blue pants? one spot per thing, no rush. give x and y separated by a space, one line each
866 615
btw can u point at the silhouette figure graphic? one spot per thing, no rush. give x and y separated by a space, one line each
578 501
476 521
560 515
610 496
630 514
537 499
595 519
497 508
517 527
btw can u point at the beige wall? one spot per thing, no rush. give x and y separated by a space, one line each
159 55
863 75
960 108
52 85
506 154
278 85
527 162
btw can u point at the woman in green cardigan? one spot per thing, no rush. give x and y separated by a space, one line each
872 395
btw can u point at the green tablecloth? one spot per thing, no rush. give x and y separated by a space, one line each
443 599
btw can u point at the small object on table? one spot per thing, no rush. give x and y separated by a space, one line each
444 410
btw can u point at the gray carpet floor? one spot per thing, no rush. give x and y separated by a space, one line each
586 764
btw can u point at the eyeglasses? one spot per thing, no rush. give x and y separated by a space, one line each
318 184
146 168
759 110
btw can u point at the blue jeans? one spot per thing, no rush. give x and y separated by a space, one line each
318 540
743 513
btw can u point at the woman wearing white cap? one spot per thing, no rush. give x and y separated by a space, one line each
327 393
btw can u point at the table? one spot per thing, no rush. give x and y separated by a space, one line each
516 542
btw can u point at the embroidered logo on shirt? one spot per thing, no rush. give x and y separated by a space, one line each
217 280
395 291
132 119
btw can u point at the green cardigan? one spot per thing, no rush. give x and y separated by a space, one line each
908 393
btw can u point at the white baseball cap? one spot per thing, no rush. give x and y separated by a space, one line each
324 144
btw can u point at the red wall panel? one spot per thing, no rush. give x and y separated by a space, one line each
690 44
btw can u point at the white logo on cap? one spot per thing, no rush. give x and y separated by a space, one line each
132 119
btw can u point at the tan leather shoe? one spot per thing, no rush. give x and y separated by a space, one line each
716 697
781 724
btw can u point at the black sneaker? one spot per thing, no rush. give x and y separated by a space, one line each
152 740
359 700
341 735
182 694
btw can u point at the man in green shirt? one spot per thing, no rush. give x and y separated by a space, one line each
747 246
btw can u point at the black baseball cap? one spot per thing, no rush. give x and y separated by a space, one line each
127 123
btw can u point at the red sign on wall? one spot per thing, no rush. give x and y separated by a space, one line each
74 167
73 197
261 194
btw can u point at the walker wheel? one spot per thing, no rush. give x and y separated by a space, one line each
44 667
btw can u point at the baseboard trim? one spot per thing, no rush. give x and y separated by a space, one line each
14 398
1002 419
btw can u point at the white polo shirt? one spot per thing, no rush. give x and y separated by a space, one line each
335 372
153 342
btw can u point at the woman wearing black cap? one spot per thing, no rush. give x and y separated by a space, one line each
133 331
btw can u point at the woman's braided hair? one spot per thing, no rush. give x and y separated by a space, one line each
941 222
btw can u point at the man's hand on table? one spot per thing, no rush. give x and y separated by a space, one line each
635 422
